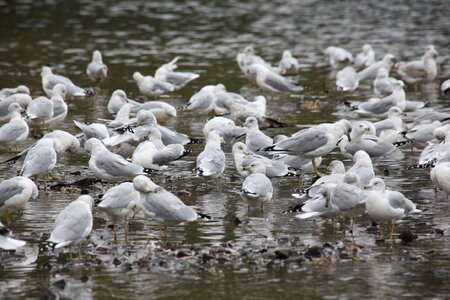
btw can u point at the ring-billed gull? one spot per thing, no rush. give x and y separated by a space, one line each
347 79
376 106
96 69
166 73
163 111
363 167
268 80
360 141
14 194
119 202
371 71
313 142
49 80
225 126
204 99
337 55
109 166
383 84
93 130
222 95
239 113
7 242
257 187
365 58
246 58
243 158
393 121
22 99
40 159
21 89
336 174
420 70
255 139
318 205
59 106
116 101
288 64
211 161
385 205
150 87
73 223
161 205
16 130
40 109
421 134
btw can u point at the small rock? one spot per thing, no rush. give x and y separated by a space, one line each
127 266
439 231
49 295
231 219
313 252
61 284
407 236
207 257
101 250
183 193
281 254
181 254
84 278
116 262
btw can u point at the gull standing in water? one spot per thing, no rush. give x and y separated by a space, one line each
73 223
211 161
120 201
96 69
288 64
371 71
49 80
16 130
418 71
161 205
268 80
385 205
338 56
40 159
313 142
14 194
257 187
365 58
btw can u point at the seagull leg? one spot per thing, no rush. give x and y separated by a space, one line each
315 168
352 228
8 219
381 231
115 231
392 232
126 228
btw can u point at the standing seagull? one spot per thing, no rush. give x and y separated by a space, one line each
40 159
161 205
423 70
49 80
257 187
268 80
386 205
16 130
96 69
14 194
73 223
365 58
211 161
288 64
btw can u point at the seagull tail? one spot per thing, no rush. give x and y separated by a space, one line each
307 215
196 141
402 143
203 216
294 208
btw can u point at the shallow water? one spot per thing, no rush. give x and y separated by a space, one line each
141 35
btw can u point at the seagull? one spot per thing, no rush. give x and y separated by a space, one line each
313 142
243 158
386 205
49 80
347 79
21 98
336 174
163 111
377 106
204 99
255 139
16 130
288 64
7 242
166 73
211 161
60 108
120 201
257 187
370 72
319 204
363 167
40 159
418 71
14 195
393 121
338 56
230 132
40 109
108 166
96 69
116 101
247 58
74 223
365 58
21 89
383 84
161 205
151 87
268 80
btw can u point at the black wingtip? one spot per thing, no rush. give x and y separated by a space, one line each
430 164
203 216
89 93
293 209
196 141
402 143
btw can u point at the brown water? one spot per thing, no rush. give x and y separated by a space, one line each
140 36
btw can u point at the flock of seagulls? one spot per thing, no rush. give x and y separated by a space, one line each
123 151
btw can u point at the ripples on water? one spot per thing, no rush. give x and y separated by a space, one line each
140 36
